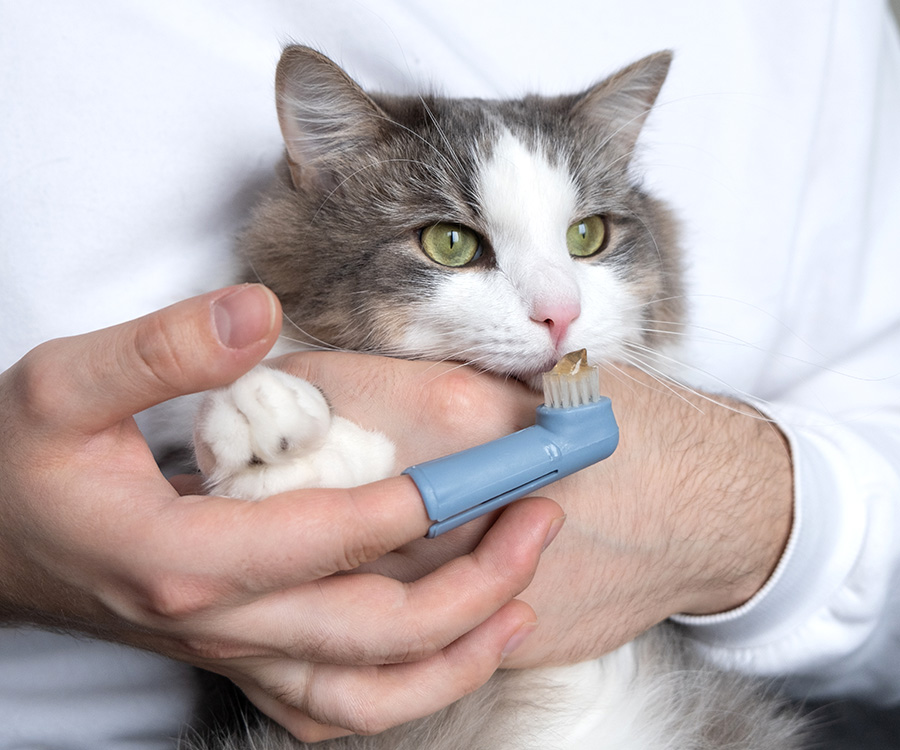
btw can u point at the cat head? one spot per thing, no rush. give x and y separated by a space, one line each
501 233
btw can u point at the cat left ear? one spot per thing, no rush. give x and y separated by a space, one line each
323 114
621 103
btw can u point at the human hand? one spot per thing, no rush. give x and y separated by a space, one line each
689 515
93 538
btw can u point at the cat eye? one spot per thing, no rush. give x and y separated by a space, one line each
586 237
450 244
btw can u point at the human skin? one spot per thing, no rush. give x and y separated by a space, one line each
94 539
690 515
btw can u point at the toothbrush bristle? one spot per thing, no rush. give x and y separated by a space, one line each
572 382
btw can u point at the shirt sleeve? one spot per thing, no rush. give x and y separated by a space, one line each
830 615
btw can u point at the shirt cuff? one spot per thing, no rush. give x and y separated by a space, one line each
784 627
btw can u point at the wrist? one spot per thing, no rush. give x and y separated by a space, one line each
740 477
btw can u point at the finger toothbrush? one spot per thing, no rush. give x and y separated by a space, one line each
574 429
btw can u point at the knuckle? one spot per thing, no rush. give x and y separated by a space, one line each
368 726
469 683
210 650
459 396
419 646
175 598
157 352
358 552
396 633
364 718
39 381
460 393
515 566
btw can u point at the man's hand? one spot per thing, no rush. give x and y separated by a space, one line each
689 515
93 538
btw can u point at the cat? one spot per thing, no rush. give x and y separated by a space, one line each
498 233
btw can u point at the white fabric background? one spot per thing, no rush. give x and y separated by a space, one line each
134 135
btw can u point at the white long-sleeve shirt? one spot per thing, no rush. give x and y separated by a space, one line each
133 135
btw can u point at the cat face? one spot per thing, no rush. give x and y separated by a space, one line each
502 233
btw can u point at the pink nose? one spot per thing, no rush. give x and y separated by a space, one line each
557 316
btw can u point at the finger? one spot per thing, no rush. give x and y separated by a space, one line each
440 399
371 619
93 381
317 702
372 399
339 372
198 554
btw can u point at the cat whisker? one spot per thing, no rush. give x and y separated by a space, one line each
457 365
480 357
640 220
620 375
656 301
644 364
657 331
309 340
624 160
453 160
353 175
667 383
300 345
451 165
637 117
718 336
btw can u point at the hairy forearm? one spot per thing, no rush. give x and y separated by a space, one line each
730 470
690 515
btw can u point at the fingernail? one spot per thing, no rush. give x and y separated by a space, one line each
518 638
244 316
553 531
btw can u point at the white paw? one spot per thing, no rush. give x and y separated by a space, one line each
270 432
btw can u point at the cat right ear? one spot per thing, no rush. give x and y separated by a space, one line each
618 106
323 114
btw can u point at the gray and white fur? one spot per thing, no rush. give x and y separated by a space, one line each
340 237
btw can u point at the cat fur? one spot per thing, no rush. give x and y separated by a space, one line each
338 239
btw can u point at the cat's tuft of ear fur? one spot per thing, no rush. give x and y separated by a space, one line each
323 115
620 104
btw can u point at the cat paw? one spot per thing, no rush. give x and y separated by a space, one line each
270 432
248 432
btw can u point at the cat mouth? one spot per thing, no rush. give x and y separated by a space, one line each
531 376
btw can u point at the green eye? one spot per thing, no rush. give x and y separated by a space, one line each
451 244
586 237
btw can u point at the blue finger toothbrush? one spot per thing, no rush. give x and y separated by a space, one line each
574 428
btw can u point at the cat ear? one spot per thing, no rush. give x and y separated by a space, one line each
323 114
620 104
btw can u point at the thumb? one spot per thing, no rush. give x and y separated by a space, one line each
100 378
